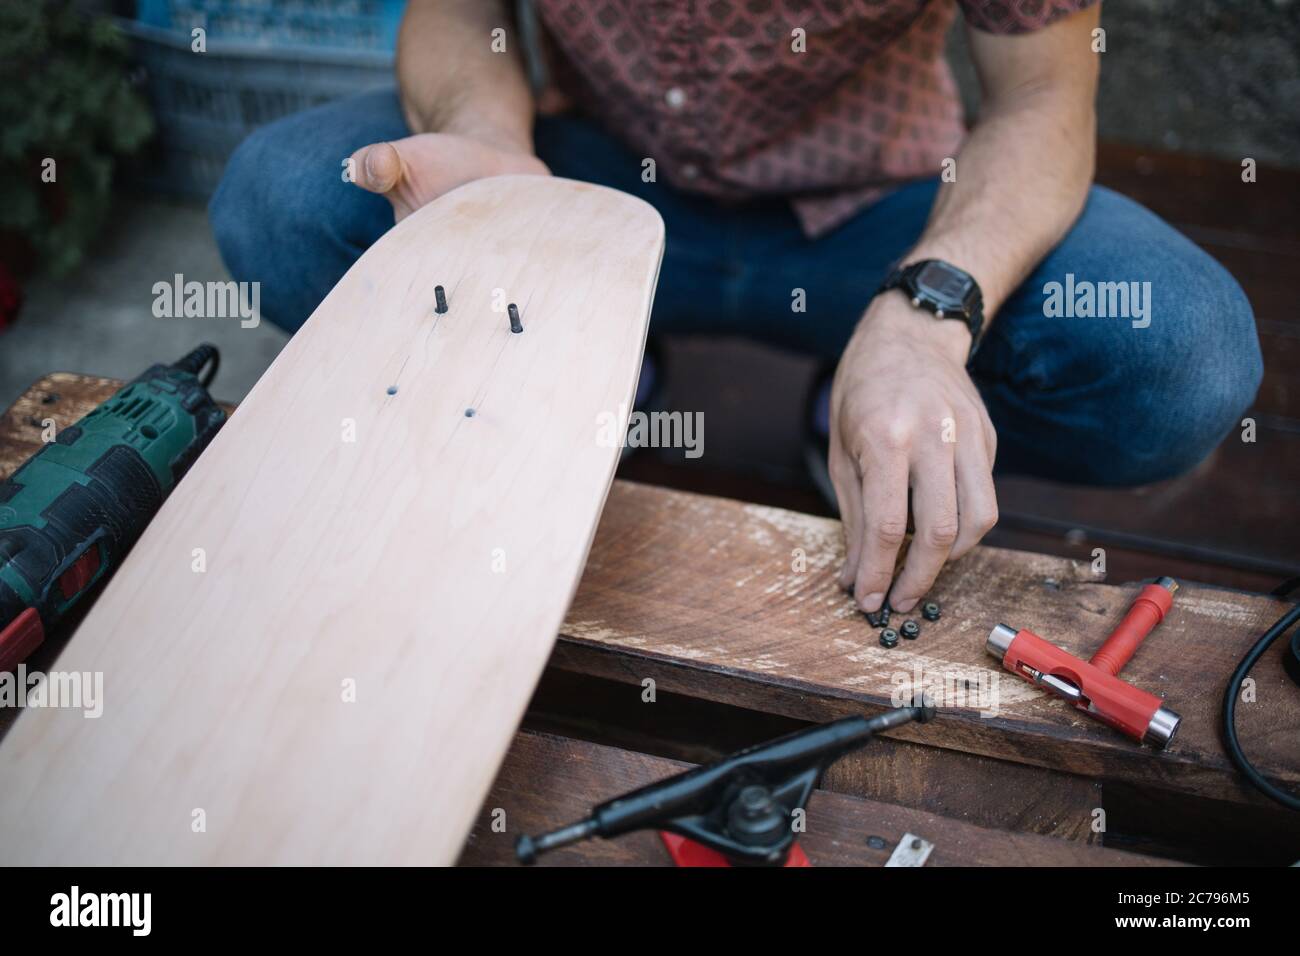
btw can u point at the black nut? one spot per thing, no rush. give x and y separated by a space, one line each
910 629
889 637
930 610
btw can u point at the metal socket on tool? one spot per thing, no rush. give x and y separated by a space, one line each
1000 639
1164 724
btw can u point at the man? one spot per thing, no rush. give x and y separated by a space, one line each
804 155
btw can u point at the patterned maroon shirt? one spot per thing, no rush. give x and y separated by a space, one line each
716 92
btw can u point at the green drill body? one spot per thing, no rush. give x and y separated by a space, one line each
72 511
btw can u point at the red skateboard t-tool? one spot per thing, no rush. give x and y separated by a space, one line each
739 811
1094 686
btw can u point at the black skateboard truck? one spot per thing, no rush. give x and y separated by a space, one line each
738 811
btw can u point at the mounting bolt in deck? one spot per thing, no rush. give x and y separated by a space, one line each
440 299
515 324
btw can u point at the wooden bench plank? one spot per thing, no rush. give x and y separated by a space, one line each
547 781
699 594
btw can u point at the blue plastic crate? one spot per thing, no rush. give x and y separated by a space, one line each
339 24
207 103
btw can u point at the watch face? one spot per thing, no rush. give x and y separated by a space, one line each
946 286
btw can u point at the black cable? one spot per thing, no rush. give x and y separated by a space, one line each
211 372
1286 587
194 362
1282 625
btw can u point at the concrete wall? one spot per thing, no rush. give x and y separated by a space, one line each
1212 77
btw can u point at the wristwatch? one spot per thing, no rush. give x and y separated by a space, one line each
945 290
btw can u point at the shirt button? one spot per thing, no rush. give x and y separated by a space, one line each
690 170
675 98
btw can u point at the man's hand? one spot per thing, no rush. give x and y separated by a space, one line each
418 169
469 106
904 414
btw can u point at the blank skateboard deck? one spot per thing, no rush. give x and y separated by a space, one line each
319 650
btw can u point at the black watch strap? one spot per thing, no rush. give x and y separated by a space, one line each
967 308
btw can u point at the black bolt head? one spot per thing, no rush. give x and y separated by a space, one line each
526 850
930 610
753 802
910 629
889 637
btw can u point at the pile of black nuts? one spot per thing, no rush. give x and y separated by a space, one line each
909 630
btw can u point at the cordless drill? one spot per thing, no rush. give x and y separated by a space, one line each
73 510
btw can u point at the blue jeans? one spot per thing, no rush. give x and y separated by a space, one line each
1084 399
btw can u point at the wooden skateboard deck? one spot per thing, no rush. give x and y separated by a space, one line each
319 650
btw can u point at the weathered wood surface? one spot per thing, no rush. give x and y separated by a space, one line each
698 593
547 781
343 679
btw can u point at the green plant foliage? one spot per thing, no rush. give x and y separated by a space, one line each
64 95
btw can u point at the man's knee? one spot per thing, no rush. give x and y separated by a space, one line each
237 212
285 215
1186 379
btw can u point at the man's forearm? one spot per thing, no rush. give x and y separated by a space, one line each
1021 180
1023 175
451 80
